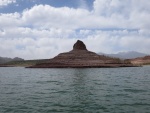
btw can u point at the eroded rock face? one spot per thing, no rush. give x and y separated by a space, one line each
80 57
141 61
79 45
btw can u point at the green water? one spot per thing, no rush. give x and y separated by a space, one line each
99 90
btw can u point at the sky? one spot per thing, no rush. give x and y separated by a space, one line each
40 29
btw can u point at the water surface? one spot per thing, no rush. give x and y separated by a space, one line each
91 90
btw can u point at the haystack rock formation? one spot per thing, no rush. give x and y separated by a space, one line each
80 57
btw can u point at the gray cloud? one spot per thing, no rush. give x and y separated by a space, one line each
43 31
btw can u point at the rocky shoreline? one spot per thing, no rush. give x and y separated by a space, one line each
84 66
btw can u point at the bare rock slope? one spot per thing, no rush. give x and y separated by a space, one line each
141 60
80 57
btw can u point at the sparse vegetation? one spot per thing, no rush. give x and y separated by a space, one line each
24 63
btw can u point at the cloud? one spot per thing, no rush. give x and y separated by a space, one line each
6 2
45 16
10 20
44 45
44 31
106 14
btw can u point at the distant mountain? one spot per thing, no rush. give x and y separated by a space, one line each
126 55
17 59
5 59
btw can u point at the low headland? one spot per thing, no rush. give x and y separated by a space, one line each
141 60
24 63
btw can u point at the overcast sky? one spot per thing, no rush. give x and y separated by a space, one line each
39 29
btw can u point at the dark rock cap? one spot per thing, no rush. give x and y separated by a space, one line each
79 45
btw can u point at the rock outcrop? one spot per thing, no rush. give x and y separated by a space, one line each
141 60
80 57
79 45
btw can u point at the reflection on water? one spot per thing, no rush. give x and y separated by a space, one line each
118 90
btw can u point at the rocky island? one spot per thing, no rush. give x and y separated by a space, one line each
80 57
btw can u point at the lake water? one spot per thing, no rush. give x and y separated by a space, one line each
97 90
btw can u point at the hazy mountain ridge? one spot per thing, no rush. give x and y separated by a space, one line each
126 55
5 59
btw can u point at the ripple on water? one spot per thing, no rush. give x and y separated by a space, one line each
134 90
118 90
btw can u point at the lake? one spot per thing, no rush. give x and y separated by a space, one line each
91 90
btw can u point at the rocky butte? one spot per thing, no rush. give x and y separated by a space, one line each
80 57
